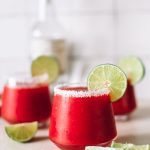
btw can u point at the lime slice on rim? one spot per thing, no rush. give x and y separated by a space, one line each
22 132
133 67
46 65
108 76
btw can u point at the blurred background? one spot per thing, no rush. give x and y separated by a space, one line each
98 31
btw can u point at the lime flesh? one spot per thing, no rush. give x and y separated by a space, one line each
133 67
130 146
108 76
46 65
119 146
22 132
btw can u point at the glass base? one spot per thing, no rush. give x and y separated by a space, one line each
43 124
122 117
76 147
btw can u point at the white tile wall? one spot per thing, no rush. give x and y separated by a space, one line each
13 37
100 30
133 5
11 66
133 35
90 34
13 7
83 6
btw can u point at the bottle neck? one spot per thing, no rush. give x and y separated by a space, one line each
45 11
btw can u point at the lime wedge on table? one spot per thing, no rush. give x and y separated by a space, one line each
130 146
46 65
139 147
108 76
119 146
22 132
133 67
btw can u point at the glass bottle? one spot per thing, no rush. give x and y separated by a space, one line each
48 36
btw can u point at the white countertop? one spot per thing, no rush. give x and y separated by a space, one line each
40 141
136 130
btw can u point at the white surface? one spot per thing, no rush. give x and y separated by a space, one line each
40 142
136 130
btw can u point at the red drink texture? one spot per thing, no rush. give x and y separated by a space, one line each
0 105
77 122
127 103
26 104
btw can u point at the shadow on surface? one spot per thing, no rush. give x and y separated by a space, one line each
40 138
135 139
141 113
43 125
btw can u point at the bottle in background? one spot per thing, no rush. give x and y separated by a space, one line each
48 36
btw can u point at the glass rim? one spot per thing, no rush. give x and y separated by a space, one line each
26 80
58 90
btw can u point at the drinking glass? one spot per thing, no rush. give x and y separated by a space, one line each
81 117
26 99
126 104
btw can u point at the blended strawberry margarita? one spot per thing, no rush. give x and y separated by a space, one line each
81 118
127 103
26 102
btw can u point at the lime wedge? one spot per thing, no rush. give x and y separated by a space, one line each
120 145
117 145
139 147
46 65
101 148
22 132
108 76
130 146
133 67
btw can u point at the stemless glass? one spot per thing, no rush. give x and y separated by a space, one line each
81 117
26 99
125 105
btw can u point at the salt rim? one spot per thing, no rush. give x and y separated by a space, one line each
74 93
27 81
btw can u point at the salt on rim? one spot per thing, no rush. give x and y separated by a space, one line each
76 93
26 81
